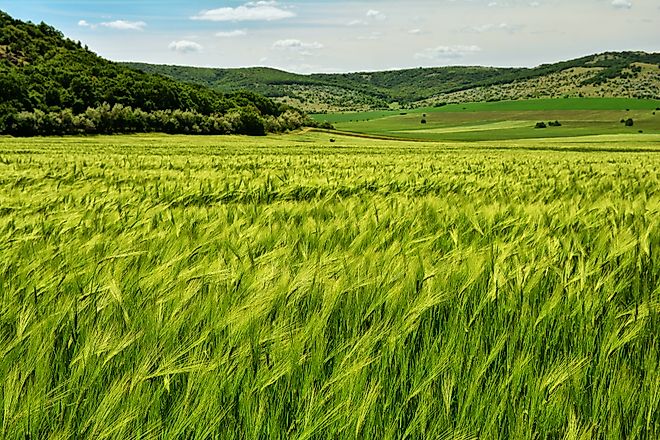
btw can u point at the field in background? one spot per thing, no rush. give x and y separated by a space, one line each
483 121
290 287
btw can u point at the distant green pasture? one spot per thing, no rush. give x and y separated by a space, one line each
508 120
499 106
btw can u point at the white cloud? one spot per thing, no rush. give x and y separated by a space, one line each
185 46
294 44
252 11
372 36
490 27
372 15
124 25
415 31
84 23
444 53
376 15
231 34
298 47
622 4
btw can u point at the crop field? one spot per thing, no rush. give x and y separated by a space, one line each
505 120
159 287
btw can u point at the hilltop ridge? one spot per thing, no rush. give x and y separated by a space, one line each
609 74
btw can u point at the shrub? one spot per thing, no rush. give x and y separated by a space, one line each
540 125
326 125
629 122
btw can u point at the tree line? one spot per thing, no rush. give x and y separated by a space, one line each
123 119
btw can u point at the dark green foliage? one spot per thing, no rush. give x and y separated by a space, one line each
423 121
121 119
614 64
629 122
540 125
554 124
52 85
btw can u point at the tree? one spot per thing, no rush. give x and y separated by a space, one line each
251 122
629 122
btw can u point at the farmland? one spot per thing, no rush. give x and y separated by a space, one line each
287 287
484 121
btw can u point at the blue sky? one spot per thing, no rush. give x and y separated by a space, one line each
340 36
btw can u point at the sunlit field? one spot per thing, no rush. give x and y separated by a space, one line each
289 287
507 120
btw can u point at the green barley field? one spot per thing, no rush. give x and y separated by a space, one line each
158 287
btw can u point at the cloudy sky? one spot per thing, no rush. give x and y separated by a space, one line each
343 35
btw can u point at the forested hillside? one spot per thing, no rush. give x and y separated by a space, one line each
52 85
612 74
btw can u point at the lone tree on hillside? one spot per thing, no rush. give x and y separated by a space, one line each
629 122
540 125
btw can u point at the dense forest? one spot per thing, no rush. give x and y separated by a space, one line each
52 85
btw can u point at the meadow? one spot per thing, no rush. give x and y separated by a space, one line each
287 287
505 120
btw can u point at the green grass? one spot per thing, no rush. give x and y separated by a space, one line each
289 288
618 104
507 120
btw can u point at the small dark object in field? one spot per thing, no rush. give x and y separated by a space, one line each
554 124
540 125
424 115
657 109
627 109
640 131
423 121
403 114
653 113
629 122
464 108
332 140
623 121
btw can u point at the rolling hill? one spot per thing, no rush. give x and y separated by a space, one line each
52 85
611 74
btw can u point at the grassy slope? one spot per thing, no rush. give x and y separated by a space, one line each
286 287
